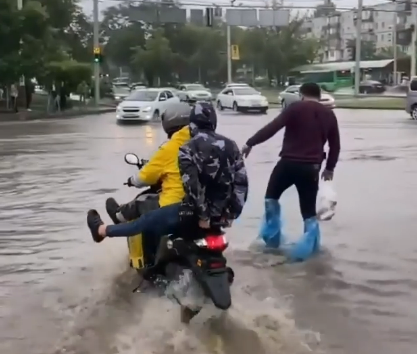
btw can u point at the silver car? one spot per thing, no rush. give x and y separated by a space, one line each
411 101
292 94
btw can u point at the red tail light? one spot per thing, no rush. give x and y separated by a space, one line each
213 242
216 243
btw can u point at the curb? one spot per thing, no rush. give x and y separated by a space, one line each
68 114
372 108
353 107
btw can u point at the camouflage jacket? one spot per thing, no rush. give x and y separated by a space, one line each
213 174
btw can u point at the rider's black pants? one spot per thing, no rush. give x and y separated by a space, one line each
304 176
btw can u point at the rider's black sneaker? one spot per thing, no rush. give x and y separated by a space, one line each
94 222
112 208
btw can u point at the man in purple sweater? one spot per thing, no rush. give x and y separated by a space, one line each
308 127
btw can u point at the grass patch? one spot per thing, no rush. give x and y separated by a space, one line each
372 103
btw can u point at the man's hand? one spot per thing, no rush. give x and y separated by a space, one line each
327 175
204 224
246 150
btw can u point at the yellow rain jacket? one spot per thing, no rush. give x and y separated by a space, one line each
163 167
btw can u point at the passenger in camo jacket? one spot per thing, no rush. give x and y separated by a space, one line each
212 169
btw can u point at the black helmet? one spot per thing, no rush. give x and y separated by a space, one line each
203 116
175 117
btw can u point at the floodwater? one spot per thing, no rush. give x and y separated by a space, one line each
61 293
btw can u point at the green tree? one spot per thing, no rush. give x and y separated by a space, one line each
194 53
156 59
9 39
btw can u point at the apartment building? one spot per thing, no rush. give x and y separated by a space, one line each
337 31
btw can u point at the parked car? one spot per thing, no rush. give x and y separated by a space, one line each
411 100
292 94
242 99
370 86
144 105
196 91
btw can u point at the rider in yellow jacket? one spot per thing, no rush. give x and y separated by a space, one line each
161 169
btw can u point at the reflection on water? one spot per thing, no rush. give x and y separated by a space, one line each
59 292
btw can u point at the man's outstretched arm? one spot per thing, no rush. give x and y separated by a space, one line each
273 127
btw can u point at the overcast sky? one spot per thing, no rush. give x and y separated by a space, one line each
88 7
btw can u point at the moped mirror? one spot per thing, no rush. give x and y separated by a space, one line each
132 159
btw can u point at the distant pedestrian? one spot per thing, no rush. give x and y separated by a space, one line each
14 94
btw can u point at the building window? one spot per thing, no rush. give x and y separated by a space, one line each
376 25
382 37
382 24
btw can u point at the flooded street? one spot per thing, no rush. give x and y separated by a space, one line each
61 293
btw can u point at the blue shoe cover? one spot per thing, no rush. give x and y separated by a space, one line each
309 243
271 224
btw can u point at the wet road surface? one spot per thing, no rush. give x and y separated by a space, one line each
60 293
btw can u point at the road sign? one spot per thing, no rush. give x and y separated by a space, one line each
235 52
97 50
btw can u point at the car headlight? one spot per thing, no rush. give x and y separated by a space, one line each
117 97
147 109
118 109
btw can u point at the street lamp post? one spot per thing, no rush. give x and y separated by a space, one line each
229 54
20 7
358 47
96 46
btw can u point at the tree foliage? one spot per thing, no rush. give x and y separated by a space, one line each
43 31
187 52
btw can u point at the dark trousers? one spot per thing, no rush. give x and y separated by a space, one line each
304 176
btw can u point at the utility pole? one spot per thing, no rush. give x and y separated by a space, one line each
394 43
96 45
229 45
229 55
413 50
20 7
358 47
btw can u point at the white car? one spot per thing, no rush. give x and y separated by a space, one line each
236 85
196 91
242 99
144 105
292 94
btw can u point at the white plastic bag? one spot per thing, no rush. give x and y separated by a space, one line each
327 201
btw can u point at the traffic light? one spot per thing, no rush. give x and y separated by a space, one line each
98 57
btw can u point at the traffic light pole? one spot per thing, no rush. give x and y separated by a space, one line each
229 55
96 45
358 47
